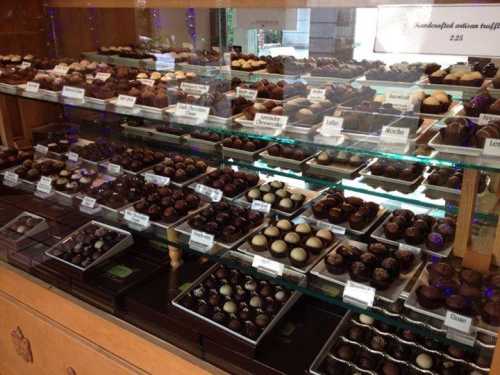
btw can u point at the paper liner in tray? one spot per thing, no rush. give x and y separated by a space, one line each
126 242
308 214
294 296
440 314
378 234
366 173
391 294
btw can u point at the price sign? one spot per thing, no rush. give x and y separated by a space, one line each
392 134
316 94
41 149
414 249
248 94
201 240
73 92
267 120
114 168
61 70
88 202
332 126
73 156
485 118
458 322
147 82
194 112
44 185
126 101
492 147
358 294
136 218
261 206
194 88
102 76
25 65
261 263
11 177
156 179
215 195
33 87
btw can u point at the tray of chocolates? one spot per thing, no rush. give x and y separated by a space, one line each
230 224
441 287
10 157
161 132
387 270
230 182
243 148
296 244
274 91
337 163
181 170
236 303
464 137
305 116
30 172
95 152
284 200
167 206
22 227
359 338
354 214
69 183
449 181
284 156
393 172
136 160
417 231
205 140
90 245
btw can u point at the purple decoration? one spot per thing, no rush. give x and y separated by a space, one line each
191 24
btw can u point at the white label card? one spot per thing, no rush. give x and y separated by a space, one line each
202 238
458 29
458 322
215 195
191 111
392 134
44 185
485 118
102 76
414 249
147 82
194 88
269 265
358 294
248 94
136 218
399 99
73 156
492 147
25 65
227 58
156 179
261 206
332 126
73 92
88 202
270 121
61 69
316 94
42 149
114 168
11 177
32 87
126 101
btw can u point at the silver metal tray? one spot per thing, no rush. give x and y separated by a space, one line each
202 143
390 295
308 214
294 296
332 170
284 162
412 304
153 133
126 242
378 234
437 144
42 226
365 172
187 182
236 153
104 164
447 190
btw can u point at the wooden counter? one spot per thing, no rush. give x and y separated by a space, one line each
46 331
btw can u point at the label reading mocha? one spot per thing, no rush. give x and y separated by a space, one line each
394 134
194 88
270 121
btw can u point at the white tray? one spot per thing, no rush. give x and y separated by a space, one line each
365 172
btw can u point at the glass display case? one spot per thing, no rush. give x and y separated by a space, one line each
277 188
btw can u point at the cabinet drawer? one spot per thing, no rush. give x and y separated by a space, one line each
33 344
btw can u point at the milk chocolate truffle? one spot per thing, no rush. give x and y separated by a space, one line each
278 249
298 257
424 361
